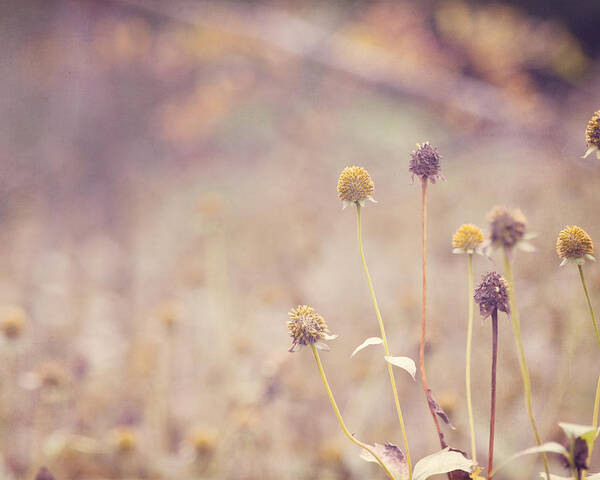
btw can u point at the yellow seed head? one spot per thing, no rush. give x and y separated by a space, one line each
306 326
592 132
355 185
573 242
12 321
507 227
467 237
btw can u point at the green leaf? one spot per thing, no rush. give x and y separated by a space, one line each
593 148
405 363
587 432
366 343
549 447
440 462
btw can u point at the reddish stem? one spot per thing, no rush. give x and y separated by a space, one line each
493 406
424 315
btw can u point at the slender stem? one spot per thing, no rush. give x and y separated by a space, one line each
587 296
468 363
493 405
597 399
385 342
339 415
522 361
424 313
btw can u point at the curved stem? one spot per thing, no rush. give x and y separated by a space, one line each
424 313
385 342
597 399
468 362
493 405
339 415
522 361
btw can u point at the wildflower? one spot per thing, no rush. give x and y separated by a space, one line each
574 245
12 321
124 439
307 328
492 294
355 186
592 135
204 442
425 163
467 239
507 230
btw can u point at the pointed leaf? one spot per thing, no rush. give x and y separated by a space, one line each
564 262
366 343
392 457
322 346
440 462
548 447
329 336
590 150
458 250
405 363
439 411
587 432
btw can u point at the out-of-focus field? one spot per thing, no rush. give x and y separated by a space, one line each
168 192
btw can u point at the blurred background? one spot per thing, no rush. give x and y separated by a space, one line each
168 192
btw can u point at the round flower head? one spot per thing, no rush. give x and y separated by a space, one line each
492 294
507 229
355 186
307 327
425 163
467 239
574 245
592 135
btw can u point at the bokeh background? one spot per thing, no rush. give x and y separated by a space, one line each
168 192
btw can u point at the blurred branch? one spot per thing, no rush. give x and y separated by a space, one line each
371 65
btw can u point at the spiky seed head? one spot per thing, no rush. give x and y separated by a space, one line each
574 243
592 132
355 185
467 238
306 326
12 321
507 227
492 294
124 439
425 163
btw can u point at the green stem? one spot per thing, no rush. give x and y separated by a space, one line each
339 415
522 361
493 404
468 363
384 339
597 399
587 296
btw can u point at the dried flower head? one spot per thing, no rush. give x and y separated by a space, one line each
124 439
467 239
355 186
12 321
507 229
307 327
575 245
492 294
592 135
425 163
